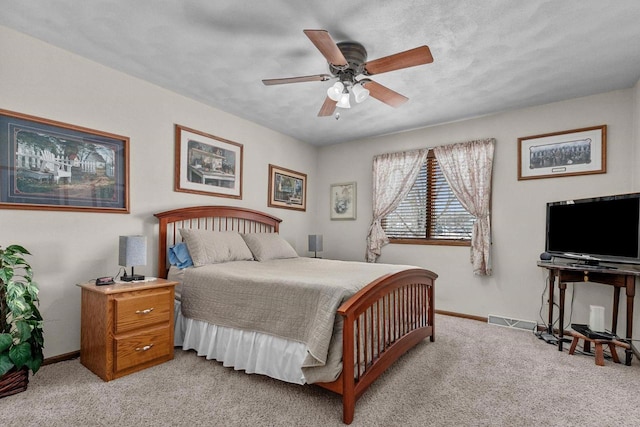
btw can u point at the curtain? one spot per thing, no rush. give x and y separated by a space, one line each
393 176
467 168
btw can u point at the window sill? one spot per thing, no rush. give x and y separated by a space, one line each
435 242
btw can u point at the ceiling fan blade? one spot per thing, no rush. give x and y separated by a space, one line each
327 47
328 107
314 78
409 58
384 94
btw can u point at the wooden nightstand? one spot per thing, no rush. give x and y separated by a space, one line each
126 327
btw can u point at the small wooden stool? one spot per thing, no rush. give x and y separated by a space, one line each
598 344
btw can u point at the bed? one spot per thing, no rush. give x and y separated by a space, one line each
372 324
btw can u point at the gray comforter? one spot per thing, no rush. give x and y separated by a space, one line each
293 298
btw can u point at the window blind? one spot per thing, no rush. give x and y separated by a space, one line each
430 210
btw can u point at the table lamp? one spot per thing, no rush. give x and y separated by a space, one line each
133 251
315 244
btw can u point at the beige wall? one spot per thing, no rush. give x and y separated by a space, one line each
635 173
515 288
72 247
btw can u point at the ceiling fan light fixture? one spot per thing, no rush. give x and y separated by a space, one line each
335 91
347 62
344 101
360 93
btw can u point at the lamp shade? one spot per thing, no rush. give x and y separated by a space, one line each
360 93
335 91
133 251
344 101
315 242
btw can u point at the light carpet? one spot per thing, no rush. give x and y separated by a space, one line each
474 374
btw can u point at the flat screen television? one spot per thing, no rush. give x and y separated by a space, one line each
594 230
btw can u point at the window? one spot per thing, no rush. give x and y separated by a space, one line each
430 213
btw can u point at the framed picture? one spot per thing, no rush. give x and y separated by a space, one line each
49 165
287 189
207 164
568 153
342 198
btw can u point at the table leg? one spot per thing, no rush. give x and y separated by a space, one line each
614 352
630 289
616 305
563 288
552 284
599 353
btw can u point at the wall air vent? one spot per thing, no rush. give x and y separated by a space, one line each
527 325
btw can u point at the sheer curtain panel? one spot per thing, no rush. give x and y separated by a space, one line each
393 177
467 167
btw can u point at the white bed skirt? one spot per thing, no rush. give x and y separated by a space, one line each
252 352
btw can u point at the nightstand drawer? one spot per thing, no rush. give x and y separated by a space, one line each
138 311
140 348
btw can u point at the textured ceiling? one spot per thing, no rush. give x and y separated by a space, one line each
489 56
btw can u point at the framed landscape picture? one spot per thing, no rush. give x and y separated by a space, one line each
49 165
207 164
342 199
287 189
567 153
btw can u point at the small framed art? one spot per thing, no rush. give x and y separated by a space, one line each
287 189
207 164
567 153
49 165
343 200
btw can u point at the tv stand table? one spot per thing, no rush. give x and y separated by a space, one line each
618 277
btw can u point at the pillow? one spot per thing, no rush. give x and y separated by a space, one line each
212 247
179 256
266 246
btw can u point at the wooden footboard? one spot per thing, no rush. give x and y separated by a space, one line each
381 322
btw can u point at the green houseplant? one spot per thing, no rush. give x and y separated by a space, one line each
21 339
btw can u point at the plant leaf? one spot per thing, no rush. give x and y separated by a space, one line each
5 364
34 363
24 330
5 342
37 339
6 274
17 249
20 354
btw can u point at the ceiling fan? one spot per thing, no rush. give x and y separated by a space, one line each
349 66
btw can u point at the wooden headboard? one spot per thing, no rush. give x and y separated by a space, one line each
213 218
